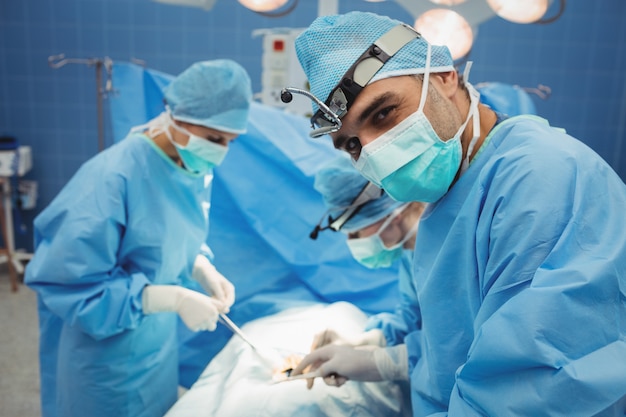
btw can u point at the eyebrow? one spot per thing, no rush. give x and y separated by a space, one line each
376 103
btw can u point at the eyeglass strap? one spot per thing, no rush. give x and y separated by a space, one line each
368 193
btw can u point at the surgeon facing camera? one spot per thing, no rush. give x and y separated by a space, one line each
520 261
380 232
114 247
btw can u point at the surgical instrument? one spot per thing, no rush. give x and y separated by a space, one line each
308 375
235 329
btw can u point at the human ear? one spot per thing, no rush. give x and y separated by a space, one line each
448 82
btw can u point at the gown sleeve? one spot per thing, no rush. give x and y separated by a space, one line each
75 269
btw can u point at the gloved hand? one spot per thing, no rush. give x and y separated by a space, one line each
336 364
197 311
214 283
374 337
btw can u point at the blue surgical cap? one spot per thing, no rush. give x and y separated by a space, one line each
329 47
215 94
506 98
340 183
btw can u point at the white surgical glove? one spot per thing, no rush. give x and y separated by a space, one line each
374 337
214 283
197 311
337 364
392 363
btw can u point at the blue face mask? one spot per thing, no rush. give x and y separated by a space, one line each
199 155
410 162
372 252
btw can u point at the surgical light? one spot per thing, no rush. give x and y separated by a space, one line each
203 4
447 2
519 11
446 27
263 5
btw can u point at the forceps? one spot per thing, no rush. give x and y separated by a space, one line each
314 374
223 318
268 355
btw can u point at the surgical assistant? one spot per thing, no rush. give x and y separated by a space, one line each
380 231
520 260
115 245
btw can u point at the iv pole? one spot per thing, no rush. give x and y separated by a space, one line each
58 61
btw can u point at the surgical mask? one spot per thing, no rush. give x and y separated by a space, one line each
410 162
199 155
372 252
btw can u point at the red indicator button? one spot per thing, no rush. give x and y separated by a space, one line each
279 45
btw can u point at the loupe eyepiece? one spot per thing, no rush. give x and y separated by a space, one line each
285 96
315 232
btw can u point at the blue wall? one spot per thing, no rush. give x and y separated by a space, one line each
582 57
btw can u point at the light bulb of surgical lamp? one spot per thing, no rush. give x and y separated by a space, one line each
263 5
448 2
519 11
446 27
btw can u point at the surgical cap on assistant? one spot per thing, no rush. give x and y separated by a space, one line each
340 183
214 94
329 47
506 98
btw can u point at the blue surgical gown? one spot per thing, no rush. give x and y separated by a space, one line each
520 273
406 318
129 217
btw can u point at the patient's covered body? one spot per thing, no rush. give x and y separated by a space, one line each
238 382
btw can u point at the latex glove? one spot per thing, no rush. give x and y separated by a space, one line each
393 363
336 364
197 311
214 283
374 337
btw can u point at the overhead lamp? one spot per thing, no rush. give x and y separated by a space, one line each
519 11
447 2
446 27
263 5
203 4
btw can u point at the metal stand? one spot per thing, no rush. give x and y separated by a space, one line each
57 61
8 253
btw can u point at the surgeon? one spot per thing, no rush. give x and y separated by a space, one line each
115 245
380 232
520 260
